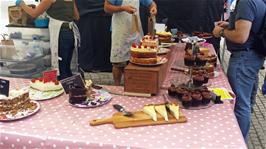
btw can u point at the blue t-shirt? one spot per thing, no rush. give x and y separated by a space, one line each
251 10
145 3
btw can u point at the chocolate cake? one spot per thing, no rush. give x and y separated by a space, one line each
186 100
77 95
196 99
198 80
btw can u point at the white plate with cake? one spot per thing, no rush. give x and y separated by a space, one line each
17 106
163 51
97 98
41 90
149 62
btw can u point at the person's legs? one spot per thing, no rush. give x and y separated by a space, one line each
242 73
65 52
254 93
118 70
263 88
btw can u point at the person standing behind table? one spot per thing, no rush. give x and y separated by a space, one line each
244 63
122 36
64 34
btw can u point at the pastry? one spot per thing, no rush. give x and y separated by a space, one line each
196 99
200 60
186 100
189 60
150 110
206 97
161 109
42 85
198 80
172 90
174 109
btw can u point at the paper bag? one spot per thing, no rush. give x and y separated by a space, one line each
7 49
135 24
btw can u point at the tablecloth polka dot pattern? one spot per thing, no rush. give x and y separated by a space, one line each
59 125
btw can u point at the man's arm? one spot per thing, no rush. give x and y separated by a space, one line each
40 9
109 8
153 8
239 35
76 12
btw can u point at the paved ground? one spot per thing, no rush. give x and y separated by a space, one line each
258 126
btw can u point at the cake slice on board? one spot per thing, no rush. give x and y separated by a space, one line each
150 110
174 109
161 109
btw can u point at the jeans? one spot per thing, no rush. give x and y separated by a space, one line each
242 74
65 52
263 88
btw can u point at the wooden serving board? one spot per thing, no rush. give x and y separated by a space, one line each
139 118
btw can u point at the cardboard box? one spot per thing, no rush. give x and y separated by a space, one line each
139 79
17 16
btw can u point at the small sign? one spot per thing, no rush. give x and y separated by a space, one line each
4 87
72 82
50 75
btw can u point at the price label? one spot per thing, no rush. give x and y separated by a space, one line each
4 87
72 82
50 75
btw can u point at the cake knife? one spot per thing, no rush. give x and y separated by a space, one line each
123 110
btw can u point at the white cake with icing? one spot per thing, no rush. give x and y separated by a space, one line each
41 85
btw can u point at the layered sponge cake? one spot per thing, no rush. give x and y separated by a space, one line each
41 85
149 41
143 54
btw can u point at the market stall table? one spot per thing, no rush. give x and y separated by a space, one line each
59 125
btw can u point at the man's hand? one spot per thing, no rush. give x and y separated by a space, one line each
19 2
129 9
153 10
216 31
222 24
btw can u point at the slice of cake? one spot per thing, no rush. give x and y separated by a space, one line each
161 109
150 110
174 109
148 41
41 85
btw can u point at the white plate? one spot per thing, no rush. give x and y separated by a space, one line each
162 61
193 38
39 95
165 45
102 97
21 114
163 51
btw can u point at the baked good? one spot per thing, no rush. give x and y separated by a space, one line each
206 78
196 99
161 109
212 59
144 60
150 110
198 80
172 90
200 60
186 100
77 95
17 101
174 109
164 36
206 97
204 51
41 85
189 60
143 54
143 51
148 41
180 91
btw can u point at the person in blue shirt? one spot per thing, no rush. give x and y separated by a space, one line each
244 63
122 32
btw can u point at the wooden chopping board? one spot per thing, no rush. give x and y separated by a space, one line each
139 119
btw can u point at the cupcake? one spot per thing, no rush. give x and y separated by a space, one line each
206 97
206 78
186 100
171 90
196 99
180 92
189 60
201 60
198 80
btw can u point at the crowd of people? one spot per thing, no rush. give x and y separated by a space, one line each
239 32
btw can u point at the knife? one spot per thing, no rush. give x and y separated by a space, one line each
122 109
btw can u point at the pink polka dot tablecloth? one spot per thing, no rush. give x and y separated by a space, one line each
59 125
